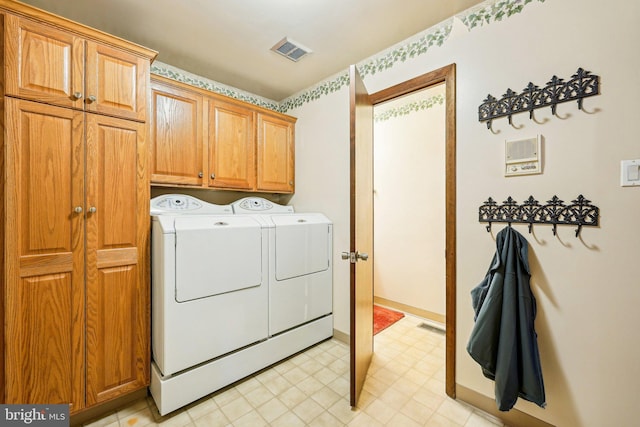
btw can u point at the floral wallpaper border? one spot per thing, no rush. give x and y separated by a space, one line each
411 107
488 12
485 13
182 76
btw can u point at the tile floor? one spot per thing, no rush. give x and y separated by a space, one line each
404 387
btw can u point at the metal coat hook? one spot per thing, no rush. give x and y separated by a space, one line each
581 85
555 212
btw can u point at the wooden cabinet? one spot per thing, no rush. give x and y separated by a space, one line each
116 258
204 140
74 216
176 135
44 255
275 154
58 67
231 146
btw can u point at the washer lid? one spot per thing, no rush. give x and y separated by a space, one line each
216 254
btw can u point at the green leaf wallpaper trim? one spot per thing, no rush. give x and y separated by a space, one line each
324 88
412 49
412 107
489 12
176 74
485 13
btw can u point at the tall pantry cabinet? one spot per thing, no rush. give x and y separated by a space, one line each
74 212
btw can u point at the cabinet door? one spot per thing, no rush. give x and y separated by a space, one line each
117 280
231 146
44 288
176 136
275 154
116 82
43 63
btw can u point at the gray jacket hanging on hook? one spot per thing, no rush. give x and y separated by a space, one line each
503 339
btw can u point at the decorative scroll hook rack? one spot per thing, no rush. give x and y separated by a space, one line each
580 212
581 85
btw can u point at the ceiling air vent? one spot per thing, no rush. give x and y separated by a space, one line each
290 49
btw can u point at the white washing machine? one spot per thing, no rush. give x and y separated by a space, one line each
210 301
209 282
300 262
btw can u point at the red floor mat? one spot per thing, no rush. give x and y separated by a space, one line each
383 318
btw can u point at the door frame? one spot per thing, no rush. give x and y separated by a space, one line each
447 75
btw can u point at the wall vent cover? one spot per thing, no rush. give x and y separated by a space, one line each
291 49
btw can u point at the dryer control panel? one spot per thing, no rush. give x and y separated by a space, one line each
259 205
183 204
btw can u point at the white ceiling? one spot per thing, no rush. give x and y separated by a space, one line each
229 41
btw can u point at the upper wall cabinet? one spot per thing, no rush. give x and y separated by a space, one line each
205 140
176 135
275 154
231 146
58 67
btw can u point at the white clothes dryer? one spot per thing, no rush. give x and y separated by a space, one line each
300 262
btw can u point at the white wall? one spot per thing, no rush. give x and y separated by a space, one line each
322 182
587 289
409 203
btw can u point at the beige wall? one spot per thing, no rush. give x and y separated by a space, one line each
322 182
587 289
409 223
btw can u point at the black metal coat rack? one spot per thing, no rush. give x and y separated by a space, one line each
581 85
580 212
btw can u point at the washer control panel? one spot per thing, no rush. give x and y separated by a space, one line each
183 204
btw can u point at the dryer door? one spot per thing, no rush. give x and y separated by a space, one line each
302 244
216 255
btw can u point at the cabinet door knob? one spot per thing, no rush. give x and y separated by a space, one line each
213 176
92 98
77 95
77 209
200 174
93 209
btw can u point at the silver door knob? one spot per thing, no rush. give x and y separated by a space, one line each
77 209
353 257
213 176
200 174
77 95
92 98
93 209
